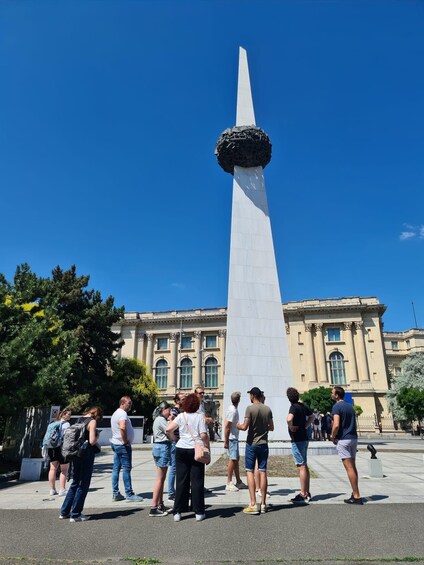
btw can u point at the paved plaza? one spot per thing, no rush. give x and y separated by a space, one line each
388 524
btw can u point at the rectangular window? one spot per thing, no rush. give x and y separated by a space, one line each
186 342
408 343
211 341
395 345
333 334
162 343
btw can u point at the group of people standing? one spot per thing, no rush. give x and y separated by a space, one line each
177 429
258 422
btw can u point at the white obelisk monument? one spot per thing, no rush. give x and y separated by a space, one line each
256 346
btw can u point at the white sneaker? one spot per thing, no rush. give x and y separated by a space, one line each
200 517
53 492
241 485
177 517
62 492
231 488
80 518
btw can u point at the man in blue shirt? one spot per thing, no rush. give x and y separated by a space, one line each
345 437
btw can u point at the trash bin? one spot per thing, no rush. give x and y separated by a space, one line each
31 469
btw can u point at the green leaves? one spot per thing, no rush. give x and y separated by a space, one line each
319 398
55 339
411 377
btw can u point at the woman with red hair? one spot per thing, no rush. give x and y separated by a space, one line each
190 473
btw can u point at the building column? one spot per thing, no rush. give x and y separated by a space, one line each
320 354
312 375
149 355
138 352
353 369
362 356
198 350
173 373
223 343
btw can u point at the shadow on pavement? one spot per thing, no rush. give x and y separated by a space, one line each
375 497
112 514
327 496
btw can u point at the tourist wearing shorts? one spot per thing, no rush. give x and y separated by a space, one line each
299 419
258 422
231 444
345 437
162 457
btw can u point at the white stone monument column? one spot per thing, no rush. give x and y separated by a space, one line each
256 345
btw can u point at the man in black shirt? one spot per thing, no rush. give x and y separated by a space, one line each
299 419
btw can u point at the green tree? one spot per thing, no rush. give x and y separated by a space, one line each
411 400
357 409
412 376
319 398
129 377
56 342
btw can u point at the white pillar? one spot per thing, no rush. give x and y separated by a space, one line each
310 357
173 372
149 355
362 356
198 352
353 369
320 355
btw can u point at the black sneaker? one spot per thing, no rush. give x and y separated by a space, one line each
171 497
163 507
157 512
308 497
299 498
353 500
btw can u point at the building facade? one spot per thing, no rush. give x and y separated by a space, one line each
399 345
332 341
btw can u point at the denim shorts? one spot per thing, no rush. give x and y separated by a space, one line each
300 452
255 453
162 454
347 448
233 450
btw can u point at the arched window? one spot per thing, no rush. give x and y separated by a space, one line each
186 374
162 374
337 369
211 373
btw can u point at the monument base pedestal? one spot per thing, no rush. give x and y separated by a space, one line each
375 468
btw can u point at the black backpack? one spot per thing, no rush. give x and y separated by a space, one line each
73 438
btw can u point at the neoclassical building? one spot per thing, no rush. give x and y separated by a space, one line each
331 341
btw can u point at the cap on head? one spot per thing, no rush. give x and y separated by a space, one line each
256 392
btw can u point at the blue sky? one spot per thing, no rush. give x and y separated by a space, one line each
109 115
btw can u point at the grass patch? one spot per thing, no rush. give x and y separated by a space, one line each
278 466
143 560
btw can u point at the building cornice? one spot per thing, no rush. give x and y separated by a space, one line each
294 308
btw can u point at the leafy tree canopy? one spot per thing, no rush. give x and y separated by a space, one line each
411 400
319 398
412 376
56 342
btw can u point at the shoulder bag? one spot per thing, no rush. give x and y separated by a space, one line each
201 452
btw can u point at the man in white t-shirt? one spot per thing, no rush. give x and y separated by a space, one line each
121 440
231 444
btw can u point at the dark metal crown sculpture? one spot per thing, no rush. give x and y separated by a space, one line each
243 146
